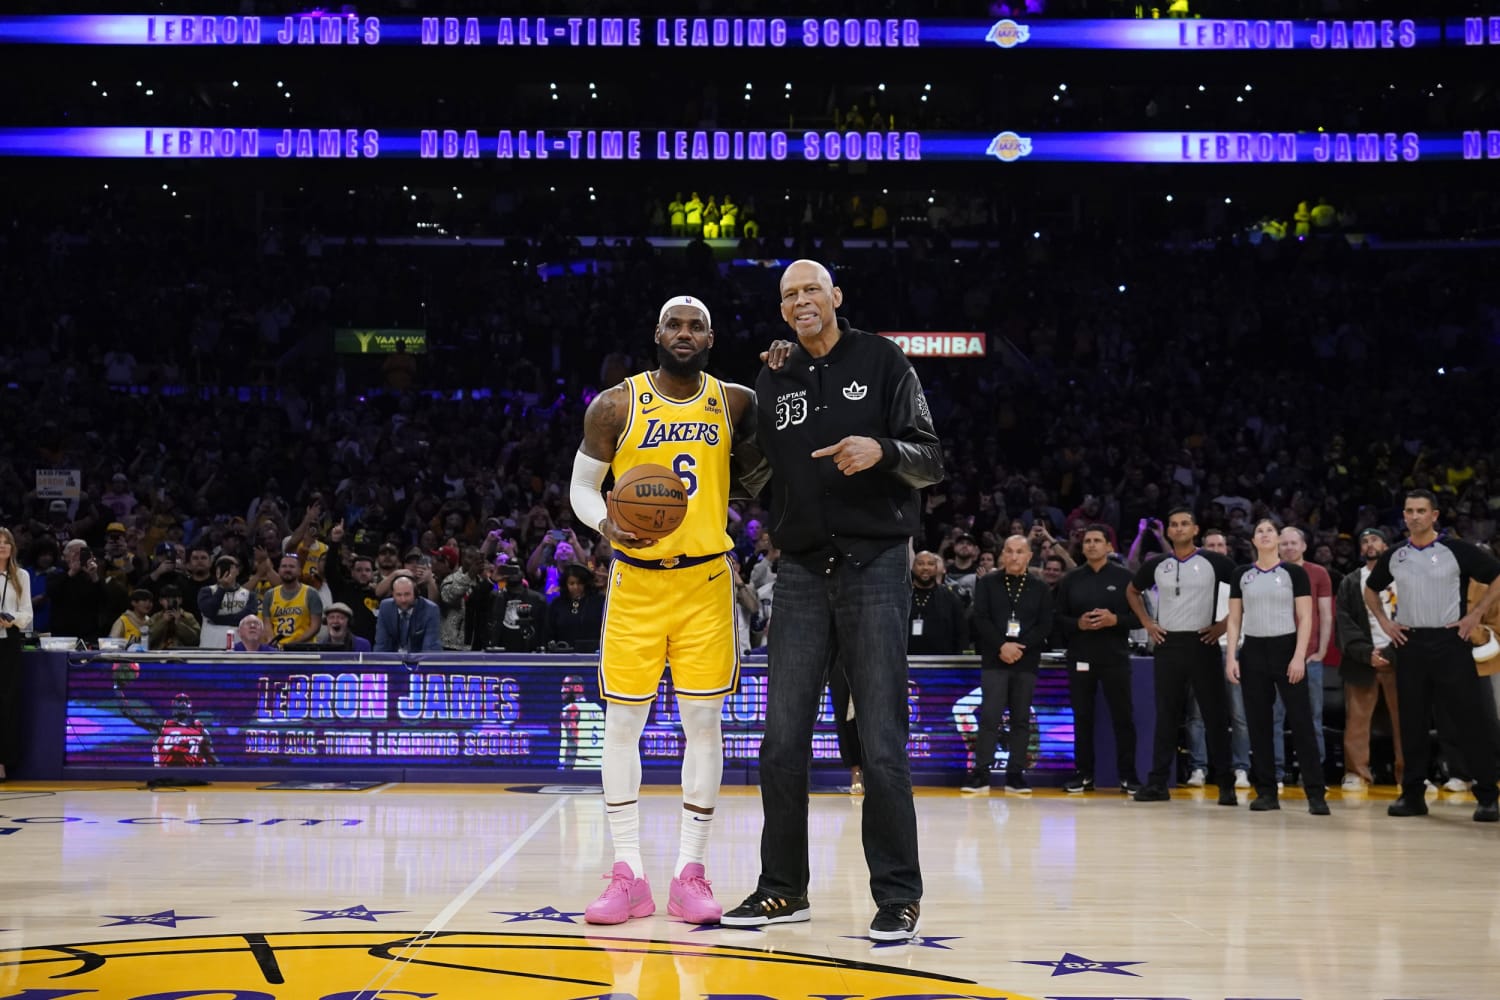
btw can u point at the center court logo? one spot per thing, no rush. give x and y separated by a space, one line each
367 965
1008 34
1008 146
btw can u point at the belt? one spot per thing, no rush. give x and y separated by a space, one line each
669 562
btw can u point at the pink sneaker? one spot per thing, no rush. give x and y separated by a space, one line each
691 899
626 897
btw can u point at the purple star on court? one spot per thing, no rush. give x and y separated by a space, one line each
359 912
545 913
916 942
1071 964
166 918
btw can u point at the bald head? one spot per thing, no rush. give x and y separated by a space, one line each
809 300
926 568
800 270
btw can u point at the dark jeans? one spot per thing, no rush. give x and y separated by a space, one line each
1083 688
848 729
10 699
1436 667
1002 688
1184 661
854 618
1263 675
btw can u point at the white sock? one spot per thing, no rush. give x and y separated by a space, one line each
694 841
620 773
625 831
702 773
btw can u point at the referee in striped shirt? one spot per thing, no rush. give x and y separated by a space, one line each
1271 604
1186 632
1436 666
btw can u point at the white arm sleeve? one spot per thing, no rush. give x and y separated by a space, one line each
588 502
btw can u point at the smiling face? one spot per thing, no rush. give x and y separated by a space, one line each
925 567
809 299
1293 546
252 630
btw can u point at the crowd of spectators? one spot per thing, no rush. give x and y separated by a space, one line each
193 386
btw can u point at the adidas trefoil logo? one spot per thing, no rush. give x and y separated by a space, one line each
855 392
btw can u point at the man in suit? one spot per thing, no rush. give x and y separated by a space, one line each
407 623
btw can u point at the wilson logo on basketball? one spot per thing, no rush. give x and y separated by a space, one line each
656 491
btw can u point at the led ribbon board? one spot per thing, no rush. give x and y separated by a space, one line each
627 32
660 145
279 710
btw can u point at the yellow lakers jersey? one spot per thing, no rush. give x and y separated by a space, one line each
692 438
290 617
128 631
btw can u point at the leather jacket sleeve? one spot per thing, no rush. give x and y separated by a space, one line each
912 452
749 469
1353 621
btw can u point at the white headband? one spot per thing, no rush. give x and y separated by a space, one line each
685 300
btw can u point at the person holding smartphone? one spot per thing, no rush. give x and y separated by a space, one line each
550 559
15 621
173 627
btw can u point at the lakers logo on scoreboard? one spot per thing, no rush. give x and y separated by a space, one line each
1008 146
1008 34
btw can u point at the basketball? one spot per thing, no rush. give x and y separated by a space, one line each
648 501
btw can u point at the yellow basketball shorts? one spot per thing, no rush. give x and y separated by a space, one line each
683 617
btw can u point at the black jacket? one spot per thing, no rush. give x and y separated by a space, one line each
1352 632
78 605
864 386
943 622
361 600
992 614
516 630
1083 590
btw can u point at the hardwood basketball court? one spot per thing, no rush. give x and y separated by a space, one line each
447 891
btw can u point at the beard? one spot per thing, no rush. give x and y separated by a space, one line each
686 368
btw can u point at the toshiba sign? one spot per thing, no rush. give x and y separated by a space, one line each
939 345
